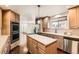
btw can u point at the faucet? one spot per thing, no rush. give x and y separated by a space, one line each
55 30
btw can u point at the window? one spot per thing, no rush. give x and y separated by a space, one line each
59 23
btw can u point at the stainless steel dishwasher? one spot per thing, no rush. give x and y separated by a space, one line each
68 45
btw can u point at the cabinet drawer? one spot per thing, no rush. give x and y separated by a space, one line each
41 46
40 51
34 46
34 42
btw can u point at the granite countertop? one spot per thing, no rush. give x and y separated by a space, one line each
3 39
65 35
42 39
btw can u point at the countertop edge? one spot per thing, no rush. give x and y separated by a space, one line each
43 43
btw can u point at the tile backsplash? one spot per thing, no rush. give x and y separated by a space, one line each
74 31
62 31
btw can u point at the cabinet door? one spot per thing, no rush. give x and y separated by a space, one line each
60 42
29 42
45 24
40 51
6 22
34 46
17 18
0 20
13 17
73 18
78 17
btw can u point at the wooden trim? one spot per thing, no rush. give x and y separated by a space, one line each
73 7
11 11
44 17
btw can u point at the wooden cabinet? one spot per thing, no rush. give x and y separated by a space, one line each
17 17
8 16
14 17
36 47
32 45
60 41
6 22
74 17
0 20
45 24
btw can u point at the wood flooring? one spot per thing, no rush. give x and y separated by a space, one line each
18 50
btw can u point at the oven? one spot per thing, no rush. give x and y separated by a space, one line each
14 31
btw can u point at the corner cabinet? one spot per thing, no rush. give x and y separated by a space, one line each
74 17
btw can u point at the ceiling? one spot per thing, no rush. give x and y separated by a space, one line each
32 10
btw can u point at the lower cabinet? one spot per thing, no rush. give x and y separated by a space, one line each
60 41
36 47
6 47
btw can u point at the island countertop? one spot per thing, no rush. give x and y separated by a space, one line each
43 39
3 39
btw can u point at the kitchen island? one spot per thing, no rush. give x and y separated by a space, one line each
38 44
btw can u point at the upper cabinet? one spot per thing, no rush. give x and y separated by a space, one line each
14 16
74 17
17 17
45 22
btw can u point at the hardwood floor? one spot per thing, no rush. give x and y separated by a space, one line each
18 50
60 51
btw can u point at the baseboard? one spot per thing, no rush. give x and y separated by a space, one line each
63 51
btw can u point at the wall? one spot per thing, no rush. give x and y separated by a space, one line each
27 21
